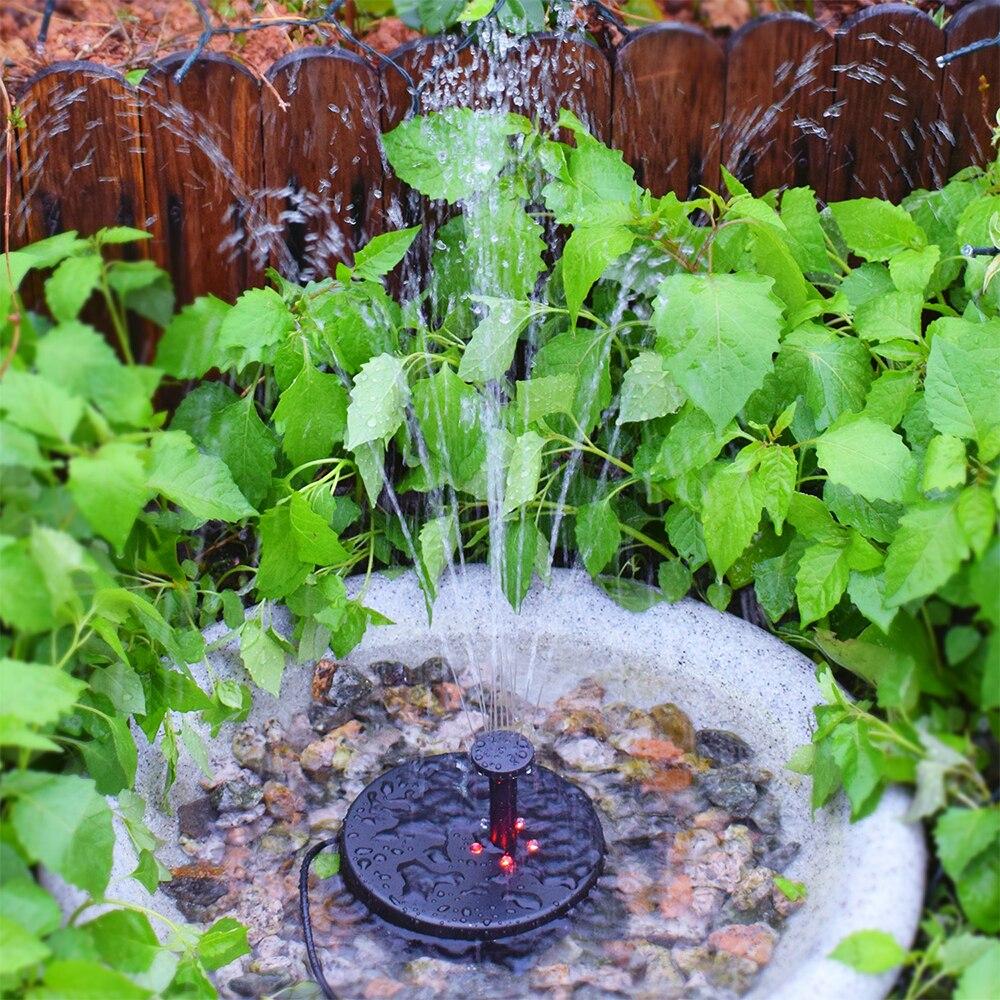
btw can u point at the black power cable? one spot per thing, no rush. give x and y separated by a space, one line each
307 932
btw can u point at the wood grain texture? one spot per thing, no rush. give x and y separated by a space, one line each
669 96
203 160
970 88
886 138
80 161
322 161
779 83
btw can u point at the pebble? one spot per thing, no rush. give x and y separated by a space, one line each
766 814
752 941
779 857
236 790
248 748
281 802
391 673
254 984
730 788
196 819
721 747
674 724
585 754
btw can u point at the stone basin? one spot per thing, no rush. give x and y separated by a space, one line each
724 672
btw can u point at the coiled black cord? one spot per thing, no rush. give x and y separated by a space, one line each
307 931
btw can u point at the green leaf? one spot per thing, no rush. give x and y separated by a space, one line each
327 864
125 940
821 580
875 229
71 284
962 835
314 540
382 253
684 532
262 655
523 471
806 239
38 405
201 484
449 413
311 415
223 942
439 538
280 571
792 891
26 903
541 396
490 352
584 356
926 552
911 270
587 254
21 948
867 457
944 464
674 579
859 764
189 346
598 535
718 334
78 979
831 373
111 757
891 316
731 511
62 822
454 153
110 488
252 330
594 185
963 372
777 472
36 694
378 401
238 436
979 978
648 391
521 546
870 951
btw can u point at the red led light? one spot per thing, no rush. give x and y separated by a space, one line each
476 848
507 863
532 846
519 824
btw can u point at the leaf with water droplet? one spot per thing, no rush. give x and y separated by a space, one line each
523 472
490 352
378 401
648 391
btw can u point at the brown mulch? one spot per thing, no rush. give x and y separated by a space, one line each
130 34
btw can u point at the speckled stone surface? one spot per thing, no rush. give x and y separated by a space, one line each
722 671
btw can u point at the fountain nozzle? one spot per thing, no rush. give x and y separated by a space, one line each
502 756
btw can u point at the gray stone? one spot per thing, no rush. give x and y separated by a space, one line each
237 792
730 788
721 747
256 984
434 670
778 858
766 814
248 748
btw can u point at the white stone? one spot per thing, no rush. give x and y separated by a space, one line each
724 672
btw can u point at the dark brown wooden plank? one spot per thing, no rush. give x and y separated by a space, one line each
970 88
203 161
535 77
779 83
669 94
322 162
79 153
886 140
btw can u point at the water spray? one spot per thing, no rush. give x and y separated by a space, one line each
474 846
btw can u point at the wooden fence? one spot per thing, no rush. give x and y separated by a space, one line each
231 174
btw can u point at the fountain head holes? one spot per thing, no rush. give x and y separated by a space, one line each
473 846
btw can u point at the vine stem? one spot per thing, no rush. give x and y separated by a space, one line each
15 316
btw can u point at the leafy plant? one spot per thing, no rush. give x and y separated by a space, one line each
774 406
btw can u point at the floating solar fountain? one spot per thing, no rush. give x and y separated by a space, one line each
476 846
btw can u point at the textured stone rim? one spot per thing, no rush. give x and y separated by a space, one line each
720 669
